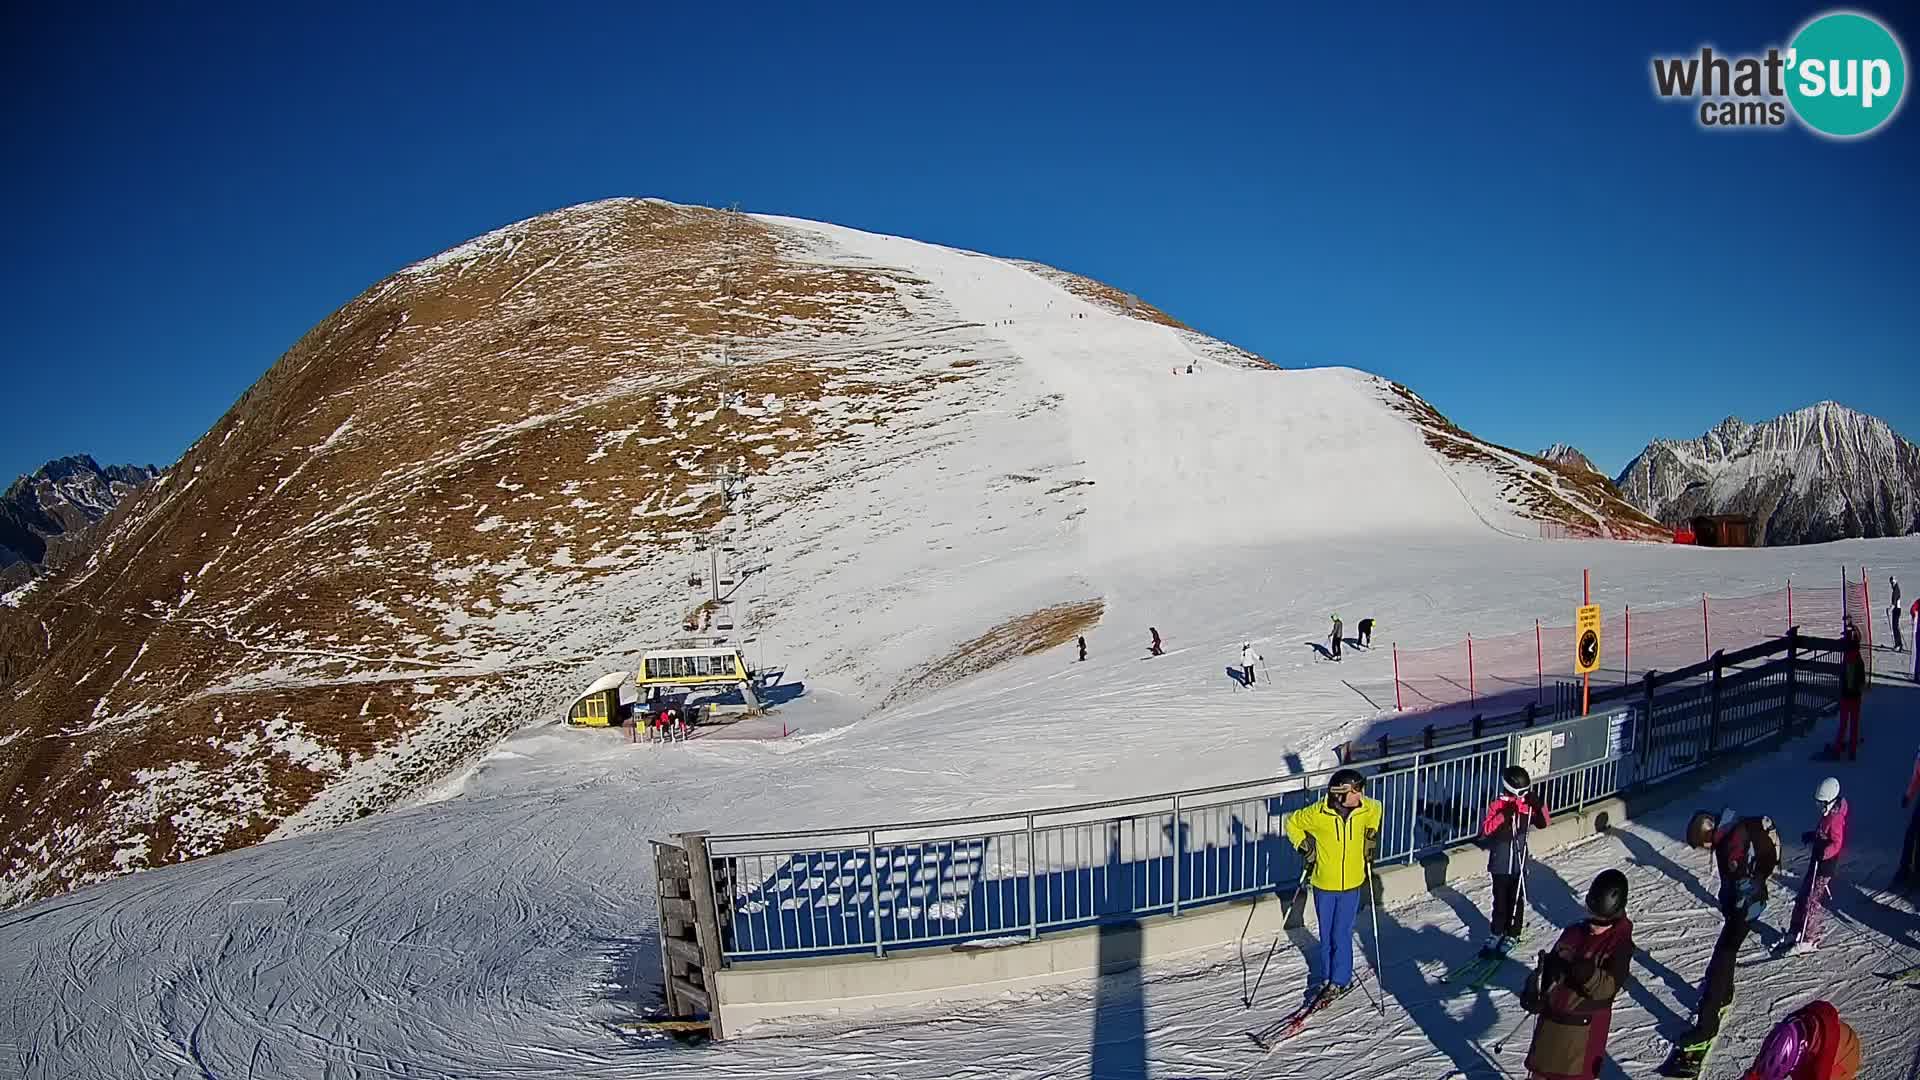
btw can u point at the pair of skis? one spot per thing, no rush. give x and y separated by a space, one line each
1478 971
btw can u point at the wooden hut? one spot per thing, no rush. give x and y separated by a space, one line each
1723 530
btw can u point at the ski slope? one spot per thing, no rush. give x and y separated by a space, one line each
504 926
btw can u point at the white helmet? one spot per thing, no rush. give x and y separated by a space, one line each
1827 792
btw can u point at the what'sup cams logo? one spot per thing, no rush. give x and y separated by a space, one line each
1843 76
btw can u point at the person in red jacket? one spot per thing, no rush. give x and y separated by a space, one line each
1908 872
1811 1044
1504 834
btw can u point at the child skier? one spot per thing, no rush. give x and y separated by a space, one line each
1825 841
1337 838
1247 659
1745 852
1333 639
1365 636
1573 987
1153 648
1812 1043
1504 831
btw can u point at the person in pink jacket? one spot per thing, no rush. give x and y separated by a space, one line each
1825 841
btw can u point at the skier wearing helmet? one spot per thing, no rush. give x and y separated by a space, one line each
1512 814
1812 1043
1745 852
1573 987
1337 837
1825 842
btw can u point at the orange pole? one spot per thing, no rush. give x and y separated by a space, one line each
1626 666
1586 678
1472 698
1397 704
1706 632
1539 663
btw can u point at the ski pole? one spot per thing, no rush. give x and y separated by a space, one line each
1285 915
1373 907
1511 1032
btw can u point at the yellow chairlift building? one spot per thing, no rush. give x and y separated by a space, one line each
663 669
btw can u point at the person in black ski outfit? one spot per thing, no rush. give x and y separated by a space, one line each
1745 852
1083 648
1154 647
1504 831
1366 633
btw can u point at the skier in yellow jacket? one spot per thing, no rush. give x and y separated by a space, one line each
1337 838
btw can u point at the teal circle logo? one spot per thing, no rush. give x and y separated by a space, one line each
1846 74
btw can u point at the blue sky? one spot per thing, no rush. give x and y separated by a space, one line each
1492 208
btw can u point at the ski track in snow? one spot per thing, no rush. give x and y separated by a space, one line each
504 924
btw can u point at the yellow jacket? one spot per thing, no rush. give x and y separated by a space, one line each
1341 844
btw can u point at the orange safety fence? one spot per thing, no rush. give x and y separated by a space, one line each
1511 667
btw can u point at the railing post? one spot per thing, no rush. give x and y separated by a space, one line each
1033 884
1479 725
1178 856
1646 736
1413 801
1793 677
879 935
1532 711
1713 698
1473 697
1426 742
1385 747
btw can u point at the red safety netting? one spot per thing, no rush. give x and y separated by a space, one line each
1506 671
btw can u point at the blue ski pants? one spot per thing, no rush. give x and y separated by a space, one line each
1336 912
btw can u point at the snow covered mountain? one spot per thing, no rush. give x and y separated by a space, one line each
483 482
53 506
1562 454
1822 473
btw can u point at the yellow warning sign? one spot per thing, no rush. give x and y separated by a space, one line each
1586 639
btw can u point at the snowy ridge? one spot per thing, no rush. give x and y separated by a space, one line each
1821 473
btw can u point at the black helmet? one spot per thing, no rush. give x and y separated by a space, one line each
1607 898
1701 827
1342 782
1515 780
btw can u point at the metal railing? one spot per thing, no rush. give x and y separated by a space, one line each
995 879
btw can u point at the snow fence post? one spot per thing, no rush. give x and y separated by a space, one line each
1646 742
1626 666
1539 663
1176 853
1706 629
879 943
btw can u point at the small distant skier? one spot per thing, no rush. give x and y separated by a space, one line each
1366 633
1333 639
1825 841
1853 683
1154 647
1812 1043
1573 987
1893 614
1083 649
1908 872
1247 659
1510 817
1745 852
1336 838
1189 369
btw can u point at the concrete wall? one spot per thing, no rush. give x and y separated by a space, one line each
753 994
